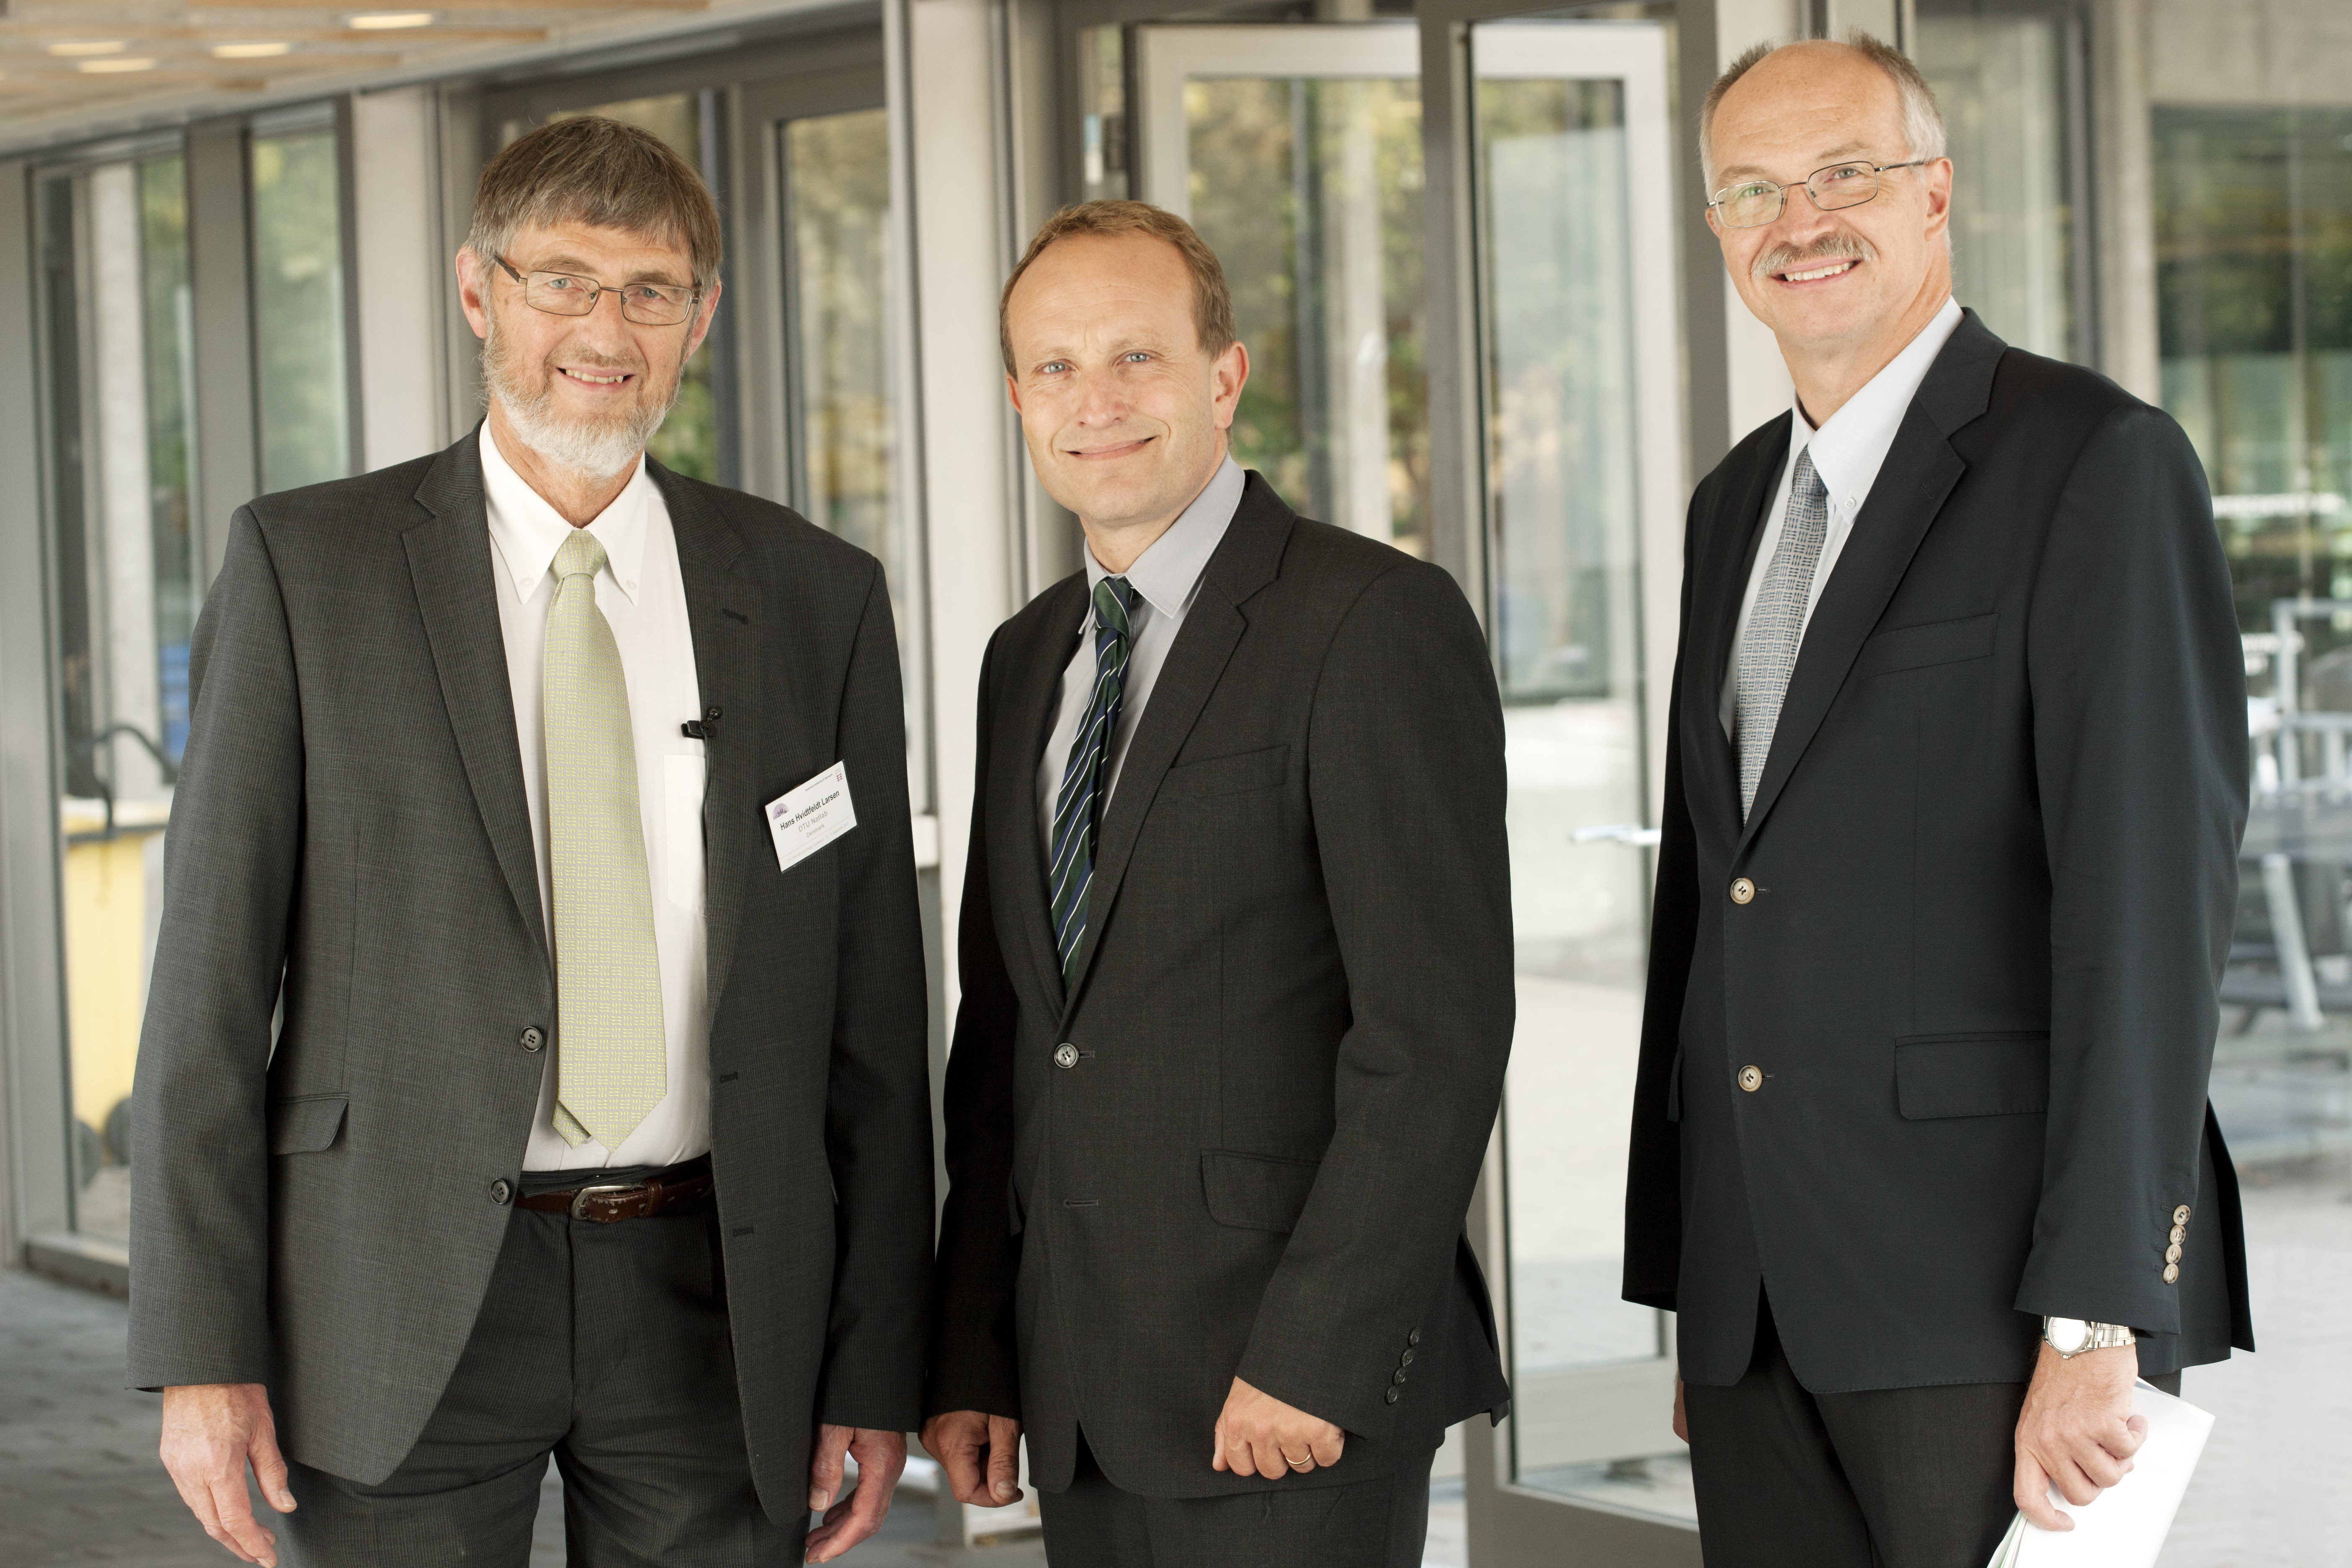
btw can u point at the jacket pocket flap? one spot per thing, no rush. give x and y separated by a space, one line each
1914 648
306 1126
1256 1192
1971 1075
1233 774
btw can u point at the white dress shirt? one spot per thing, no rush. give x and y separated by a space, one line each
1165 577
1848 451
643 597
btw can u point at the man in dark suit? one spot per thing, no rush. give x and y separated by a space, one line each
1236 968
1920 1140
479 785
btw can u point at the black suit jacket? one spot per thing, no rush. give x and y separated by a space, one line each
351 816
1994 855
1294 1006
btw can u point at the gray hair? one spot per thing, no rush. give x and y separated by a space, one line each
1923 120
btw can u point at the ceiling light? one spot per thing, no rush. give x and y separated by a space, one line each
250 51
84 50
116 67
384 21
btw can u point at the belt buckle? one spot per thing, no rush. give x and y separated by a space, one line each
581 1197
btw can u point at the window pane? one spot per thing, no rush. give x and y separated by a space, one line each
115 281
1310 192
843 344
298 309
2001 80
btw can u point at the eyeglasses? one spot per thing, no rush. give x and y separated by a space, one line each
561 294
1752 203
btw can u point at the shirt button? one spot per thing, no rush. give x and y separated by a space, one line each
2181 1215
1751 1078
502 1191
1743 891
531 1039
2171 1273
1066 1056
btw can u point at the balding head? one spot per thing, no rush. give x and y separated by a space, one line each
1849 68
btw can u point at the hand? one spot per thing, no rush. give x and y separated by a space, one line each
881 1456
1682 1422
979 1454
1258 1434
211 1431
2076 1431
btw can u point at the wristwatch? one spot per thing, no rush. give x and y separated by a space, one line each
2070 1337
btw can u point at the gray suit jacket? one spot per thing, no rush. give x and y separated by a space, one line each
350 818
1293 1011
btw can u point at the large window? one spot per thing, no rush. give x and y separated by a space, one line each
117 352
301 368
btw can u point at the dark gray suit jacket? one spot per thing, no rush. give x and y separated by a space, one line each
1994 860
1293 1011
352 813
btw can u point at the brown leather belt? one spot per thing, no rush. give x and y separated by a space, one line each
609 1201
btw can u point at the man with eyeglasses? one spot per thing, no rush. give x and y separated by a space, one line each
1921 1152
561 801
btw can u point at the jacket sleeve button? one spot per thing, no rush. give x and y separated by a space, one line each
2171 1273
1392 1395
2181 1215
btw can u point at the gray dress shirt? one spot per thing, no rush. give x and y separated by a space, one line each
1165 577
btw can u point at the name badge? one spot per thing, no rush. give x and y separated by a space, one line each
804 820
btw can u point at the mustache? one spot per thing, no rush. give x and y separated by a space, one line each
1794 258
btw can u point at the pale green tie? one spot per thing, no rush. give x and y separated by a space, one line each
611 1061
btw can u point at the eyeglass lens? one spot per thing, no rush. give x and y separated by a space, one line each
647 304
1754 204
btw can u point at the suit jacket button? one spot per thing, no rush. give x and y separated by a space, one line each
1742 890
2180 1232
2172 1253
1751 1078
1392 1396
1066 1056
1405 1359
2181 1215
2171 1273
1413 1337
532 1039
502 1191
1399 1379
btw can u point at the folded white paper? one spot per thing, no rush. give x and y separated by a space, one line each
2126 1525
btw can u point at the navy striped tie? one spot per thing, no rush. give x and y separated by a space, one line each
1078 807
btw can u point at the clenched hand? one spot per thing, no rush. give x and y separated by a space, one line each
211 1432
979 1454
1258 1434
2076 1431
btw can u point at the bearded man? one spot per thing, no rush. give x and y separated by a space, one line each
596 1123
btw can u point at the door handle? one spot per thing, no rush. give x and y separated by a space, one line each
1631 832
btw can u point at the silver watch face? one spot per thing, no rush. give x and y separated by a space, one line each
2068 1335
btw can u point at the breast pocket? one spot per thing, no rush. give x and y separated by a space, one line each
1920 647
1240 774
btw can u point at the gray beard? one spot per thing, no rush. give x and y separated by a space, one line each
595 449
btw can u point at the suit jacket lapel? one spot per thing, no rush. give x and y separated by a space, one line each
1032 699
1245 560
449 564
723 607
1920 470
1722 570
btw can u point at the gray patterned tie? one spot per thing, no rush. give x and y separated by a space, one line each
612 1053
1768 654
1077 808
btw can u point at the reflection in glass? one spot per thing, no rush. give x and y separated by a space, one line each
842 347
2002 83
114 279
2253 244
303 380
691 439
1102 113
1573 191
1310 192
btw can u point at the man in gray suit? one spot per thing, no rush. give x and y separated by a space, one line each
486 753
1237 962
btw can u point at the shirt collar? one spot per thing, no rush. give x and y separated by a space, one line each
1851 446
528 531
1170 568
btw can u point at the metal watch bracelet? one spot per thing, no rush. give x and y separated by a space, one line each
2060 1333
